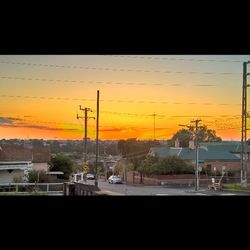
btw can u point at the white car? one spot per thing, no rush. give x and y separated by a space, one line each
113 179
90 176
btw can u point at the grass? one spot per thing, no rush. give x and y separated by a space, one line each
236 187
23 193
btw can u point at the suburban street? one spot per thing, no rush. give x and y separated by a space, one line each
122 189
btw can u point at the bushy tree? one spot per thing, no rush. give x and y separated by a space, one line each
169 165
61 162
38 176
173 165
184 136
204 135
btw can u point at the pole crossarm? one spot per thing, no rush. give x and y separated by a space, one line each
85 117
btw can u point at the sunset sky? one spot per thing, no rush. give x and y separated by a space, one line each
41 94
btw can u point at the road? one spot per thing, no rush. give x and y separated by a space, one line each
122 189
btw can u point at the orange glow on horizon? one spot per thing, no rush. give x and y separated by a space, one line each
41 101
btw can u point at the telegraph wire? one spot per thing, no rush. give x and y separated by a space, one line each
174 59
73 82
112 100
120 70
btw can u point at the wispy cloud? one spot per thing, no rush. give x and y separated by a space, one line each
183 116
204 85
111 130
36 127
12 122
9 120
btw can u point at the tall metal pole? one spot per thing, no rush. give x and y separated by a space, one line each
85 134
154 115
244 127
125 175
85 129
154 125
197 156
97 133
197 161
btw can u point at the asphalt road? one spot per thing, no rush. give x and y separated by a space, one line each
122 189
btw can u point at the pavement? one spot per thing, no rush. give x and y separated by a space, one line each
139 190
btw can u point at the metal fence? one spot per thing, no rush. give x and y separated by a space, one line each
32 187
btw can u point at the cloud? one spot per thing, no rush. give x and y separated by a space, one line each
204 85
36 127
183 116
8 120
111 130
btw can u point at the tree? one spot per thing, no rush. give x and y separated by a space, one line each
248 142
169 165
173 165
38 176
133 146
204 135
61 162
184 136
207 135
148 166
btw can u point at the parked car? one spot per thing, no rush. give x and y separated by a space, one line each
113 179
90 176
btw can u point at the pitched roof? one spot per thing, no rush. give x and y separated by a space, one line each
224 146
190 154
9 152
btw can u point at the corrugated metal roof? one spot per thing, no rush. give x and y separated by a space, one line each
224 146
189 154
210 152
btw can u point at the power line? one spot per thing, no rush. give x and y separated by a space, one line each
120 70
117 100
174 58
63 81
76 124
117 83
29 122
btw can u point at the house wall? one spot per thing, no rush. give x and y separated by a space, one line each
6 177
40 166
230 165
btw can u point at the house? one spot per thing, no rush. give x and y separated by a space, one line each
17 160
14 169
40 158
213 155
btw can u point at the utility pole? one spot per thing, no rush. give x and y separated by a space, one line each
86 117
244 157
154 115
125 175
197 155
197 152
97 134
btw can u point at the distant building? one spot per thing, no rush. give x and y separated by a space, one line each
213 155
14 169
16 160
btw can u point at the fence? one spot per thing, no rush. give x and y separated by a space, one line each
80 189
55 188
180 180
